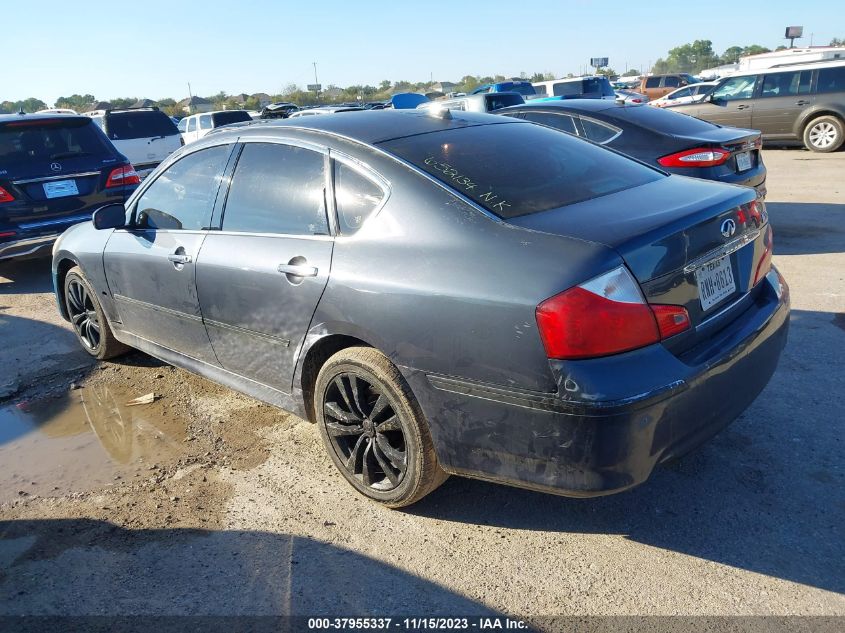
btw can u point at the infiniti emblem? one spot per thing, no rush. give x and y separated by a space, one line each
55 166
728 228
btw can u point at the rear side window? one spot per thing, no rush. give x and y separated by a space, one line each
831 79
652 82
192 124
205 122
598 132
121 126
562 122
671 82
514 169
183 195
277 189
567 88
683 92
786 84
496 101
33 141
233 116
662 120
541 90
356 197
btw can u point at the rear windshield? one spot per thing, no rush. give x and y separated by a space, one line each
234 116
497 100
515 169
142 124
662 120
523 88
596 87
49 140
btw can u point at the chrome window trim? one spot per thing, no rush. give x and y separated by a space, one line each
64 177
365 171
603 124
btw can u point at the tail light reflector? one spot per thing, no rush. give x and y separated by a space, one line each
606 315
7 234
125 175
700 157
5 196
765 263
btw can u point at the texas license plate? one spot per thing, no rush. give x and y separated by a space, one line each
60 188
715 281
743 161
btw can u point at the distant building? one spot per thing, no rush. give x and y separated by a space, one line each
99 105
263 99
143 103
195 105
750 63
240 99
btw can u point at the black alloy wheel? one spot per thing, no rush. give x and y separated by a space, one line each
83 314
365 432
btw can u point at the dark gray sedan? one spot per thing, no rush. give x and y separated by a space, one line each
443 293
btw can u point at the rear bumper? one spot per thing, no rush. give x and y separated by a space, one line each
619 416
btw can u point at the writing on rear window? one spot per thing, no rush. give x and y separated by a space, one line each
491 200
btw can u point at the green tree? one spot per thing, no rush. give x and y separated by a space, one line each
384 85
27 105
688 58
76 102
123 102
633 72
836 41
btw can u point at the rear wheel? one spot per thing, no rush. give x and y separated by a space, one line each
373 428
824 134
88 319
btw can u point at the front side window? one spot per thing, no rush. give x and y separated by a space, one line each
183 196
652 82
598 132
832 79
735 88
683 92
562 122
192 124
786 84
277 189
182 127
356 197
513 169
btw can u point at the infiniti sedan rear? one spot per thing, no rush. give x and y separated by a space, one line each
443 294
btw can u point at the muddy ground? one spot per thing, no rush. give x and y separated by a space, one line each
208 502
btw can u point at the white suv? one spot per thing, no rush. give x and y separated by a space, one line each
194 127
146 136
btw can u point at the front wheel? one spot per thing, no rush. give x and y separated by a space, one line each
88 319
373 428
824 134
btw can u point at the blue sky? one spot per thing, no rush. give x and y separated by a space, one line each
150 48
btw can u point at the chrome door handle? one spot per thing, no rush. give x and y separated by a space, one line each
801 102
742 107
298 270
179 259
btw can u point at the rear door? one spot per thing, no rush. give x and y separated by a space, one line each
260 277
151 265
782 98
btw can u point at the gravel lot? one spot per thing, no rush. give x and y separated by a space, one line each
208 502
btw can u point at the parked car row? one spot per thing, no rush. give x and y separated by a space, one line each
466 294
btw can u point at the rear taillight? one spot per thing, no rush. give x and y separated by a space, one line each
7 234
701 157
606 315
5 196
765 263
122 176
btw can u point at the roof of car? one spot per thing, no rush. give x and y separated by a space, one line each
583 105
368 126
5 118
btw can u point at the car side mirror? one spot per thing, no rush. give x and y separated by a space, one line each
111 216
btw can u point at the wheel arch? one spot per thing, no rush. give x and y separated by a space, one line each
61 268
808 117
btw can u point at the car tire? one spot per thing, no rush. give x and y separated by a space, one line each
824 134
88 319
373 428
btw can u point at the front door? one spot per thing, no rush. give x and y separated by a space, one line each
730 103
259 279
151 265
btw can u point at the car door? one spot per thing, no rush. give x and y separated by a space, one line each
205 125
151 265
260 277
782 98
730 103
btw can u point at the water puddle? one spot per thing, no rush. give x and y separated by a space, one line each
82 440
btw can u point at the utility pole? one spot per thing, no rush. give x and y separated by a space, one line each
316 82
190 99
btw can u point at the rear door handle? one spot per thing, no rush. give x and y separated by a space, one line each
179 259
801 102
298 270
742 107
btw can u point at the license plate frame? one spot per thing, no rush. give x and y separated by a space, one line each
743 161
715 280
60 189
